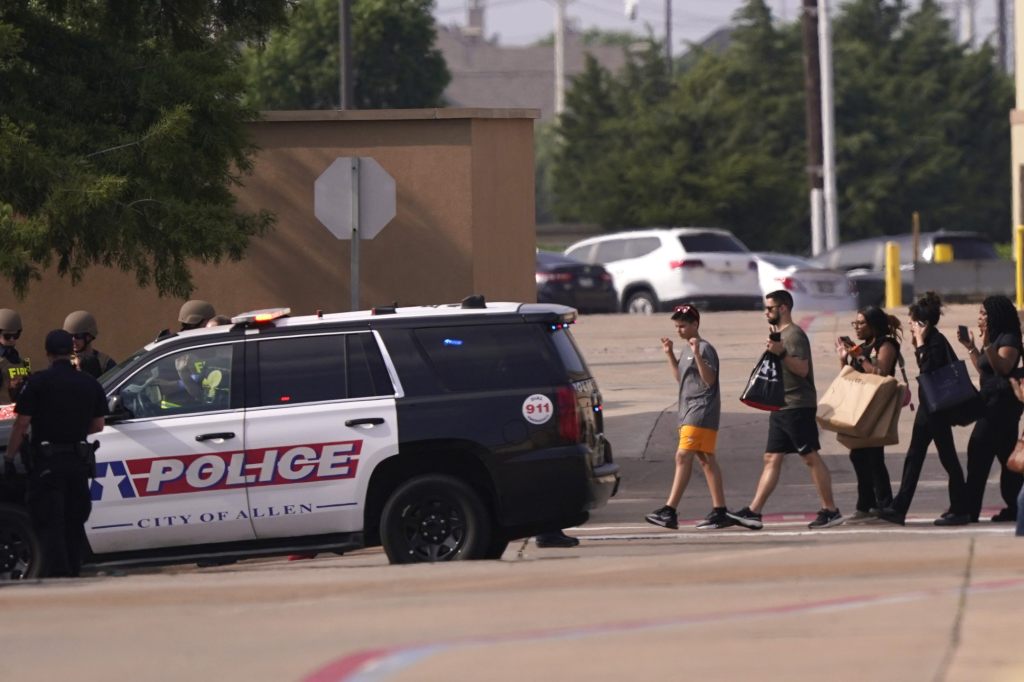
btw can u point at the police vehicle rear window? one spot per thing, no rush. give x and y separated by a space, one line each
314 368
490 357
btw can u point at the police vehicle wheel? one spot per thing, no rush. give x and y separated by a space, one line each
19 545
434 518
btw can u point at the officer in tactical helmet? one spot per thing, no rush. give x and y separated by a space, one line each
13 368
195 314
83 329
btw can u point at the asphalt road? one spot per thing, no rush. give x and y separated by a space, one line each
631 602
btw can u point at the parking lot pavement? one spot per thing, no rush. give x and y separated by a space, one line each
624 353
627 604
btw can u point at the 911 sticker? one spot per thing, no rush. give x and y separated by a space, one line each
181 474
537 409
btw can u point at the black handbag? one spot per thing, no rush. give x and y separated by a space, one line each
950 386
765 390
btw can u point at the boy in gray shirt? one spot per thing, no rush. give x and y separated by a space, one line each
700 407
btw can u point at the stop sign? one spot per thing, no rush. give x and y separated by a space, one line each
332 197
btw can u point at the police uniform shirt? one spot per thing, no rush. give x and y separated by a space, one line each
62 403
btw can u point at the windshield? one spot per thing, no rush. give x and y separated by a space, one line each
704 242
110 377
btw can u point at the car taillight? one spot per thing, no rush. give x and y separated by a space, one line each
790 284
605 277
680 264
568 419
553 277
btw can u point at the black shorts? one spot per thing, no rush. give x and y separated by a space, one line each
793 430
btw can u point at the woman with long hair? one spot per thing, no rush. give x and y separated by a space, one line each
995 432
877 352
932 351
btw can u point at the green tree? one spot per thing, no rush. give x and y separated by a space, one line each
396 64
121 135
921 126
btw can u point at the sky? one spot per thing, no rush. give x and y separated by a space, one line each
521 22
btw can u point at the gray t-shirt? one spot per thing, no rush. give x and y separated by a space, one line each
799 390
699 404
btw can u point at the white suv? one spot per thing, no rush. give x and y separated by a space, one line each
657 268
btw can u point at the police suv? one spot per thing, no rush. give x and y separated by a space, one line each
439 432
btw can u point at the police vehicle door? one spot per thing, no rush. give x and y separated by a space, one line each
171 472
320 413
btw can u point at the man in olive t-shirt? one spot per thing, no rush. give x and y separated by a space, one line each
793 428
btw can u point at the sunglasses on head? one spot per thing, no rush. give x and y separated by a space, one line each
684 309
11 336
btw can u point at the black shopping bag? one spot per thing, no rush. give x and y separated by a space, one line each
765 390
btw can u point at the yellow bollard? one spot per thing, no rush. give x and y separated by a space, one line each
893 291
1018 255
943 253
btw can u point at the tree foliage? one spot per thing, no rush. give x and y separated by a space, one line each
121 135
396 64
921 126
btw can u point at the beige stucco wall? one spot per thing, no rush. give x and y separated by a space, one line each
464 224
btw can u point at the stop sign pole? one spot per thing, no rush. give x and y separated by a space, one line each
354 259
355 199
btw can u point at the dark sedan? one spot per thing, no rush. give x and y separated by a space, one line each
567 281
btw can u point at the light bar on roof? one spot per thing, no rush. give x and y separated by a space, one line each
261 316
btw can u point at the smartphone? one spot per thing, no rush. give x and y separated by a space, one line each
774 336
962 333
847 341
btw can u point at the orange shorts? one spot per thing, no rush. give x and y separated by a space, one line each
697 439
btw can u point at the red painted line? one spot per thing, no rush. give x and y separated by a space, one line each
353 666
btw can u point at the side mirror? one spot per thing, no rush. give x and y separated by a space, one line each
116 411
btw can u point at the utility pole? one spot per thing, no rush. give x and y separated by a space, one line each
346 85
560 56
812 110
828 126
1001 35
668 36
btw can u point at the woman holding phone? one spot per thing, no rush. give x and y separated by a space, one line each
932 351
995 433
879 336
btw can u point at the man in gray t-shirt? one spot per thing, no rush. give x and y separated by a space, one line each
793 428
700 407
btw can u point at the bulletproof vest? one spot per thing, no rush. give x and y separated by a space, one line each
12 366
94 363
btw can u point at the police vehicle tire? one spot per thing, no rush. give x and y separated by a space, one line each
434 517
19 545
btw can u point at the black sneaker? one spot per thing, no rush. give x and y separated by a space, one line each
826 519
1004 516
717 518
555 539
746 518
950 519
665 517
892 516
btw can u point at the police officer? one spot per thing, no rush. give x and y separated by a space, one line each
13 367
84 330
195 314
62 406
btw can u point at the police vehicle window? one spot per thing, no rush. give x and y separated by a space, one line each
493 356
571 357
193 380
302 370
367 374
